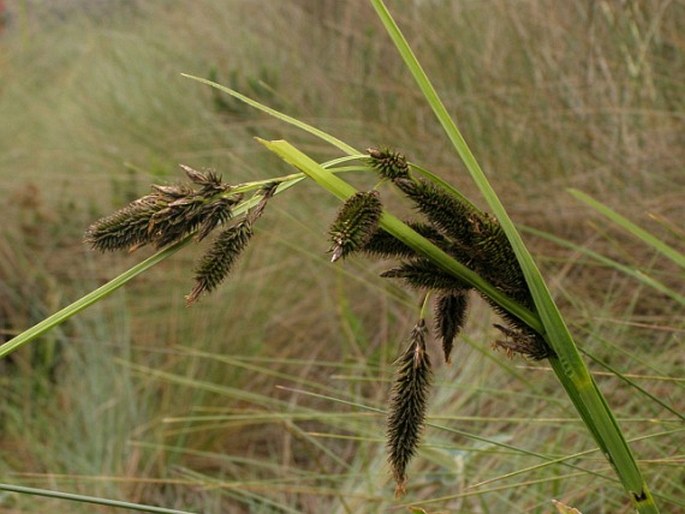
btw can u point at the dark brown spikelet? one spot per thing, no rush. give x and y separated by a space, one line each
390 165
457 219
408 405
498 264
220 259
216 213
126 228
355 223
423 274
450 316
521 340
166 215
209 181
382 244
266 194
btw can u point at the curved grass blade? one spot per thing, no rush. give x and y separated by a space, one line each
631 228
627 270
281 116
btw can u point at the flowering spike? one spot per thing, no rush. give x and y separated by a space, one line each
355 224
220 259
390 165
408 405
450 316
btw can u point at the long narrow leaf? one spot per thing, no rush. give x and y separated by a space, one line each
81 498
627 270
631 228
279 115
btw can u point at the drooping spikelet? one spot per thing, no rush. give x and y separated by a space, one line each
355 223
390 165
217 263
408 405
450 317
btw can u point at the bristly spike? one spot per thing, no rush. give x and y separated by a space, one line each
521 340
456 219
389 164
355 224
450 316
423 274
217 263
408 405
126 228
382 244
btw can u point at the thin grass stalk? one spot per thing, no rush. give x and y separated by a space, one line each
626 270
630 227
81 498
570 368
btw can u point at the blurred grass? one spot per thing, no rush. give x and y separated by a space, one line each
265 397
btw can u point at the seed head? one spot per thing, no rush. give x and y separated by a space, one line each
408 405
390 165
355 224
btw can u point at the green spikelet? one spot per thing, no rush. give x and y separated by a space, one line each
408 405
450 317
390 165
220 259
355 223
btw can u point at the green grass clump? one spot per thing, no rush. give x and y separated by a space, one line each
270 396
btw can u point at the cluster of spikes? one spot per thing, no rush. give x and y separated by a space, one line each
171 213
468 235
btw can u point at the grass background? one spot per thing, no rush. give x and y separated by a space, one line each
267 396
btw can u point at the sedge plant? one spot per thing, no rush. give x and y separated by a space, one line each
453 251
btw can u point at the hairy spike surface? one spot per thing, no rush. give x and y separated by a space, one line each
125 228
214 214
408 405
521 340
355 224
389 164
382 244
423 274
455 218
220 259
450 317
166 215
